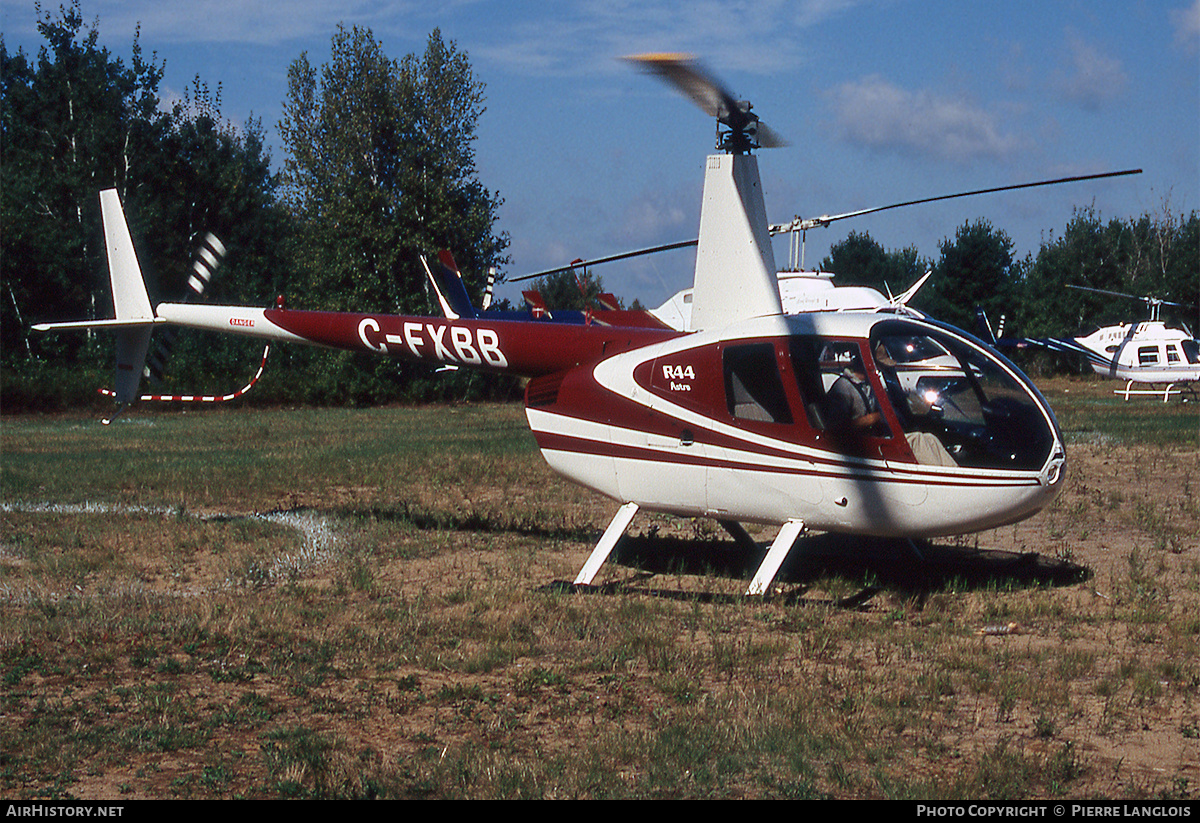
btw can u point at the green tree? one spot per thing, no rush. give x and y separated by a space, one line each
859 260
976 270
1181 272
380 170
1148 256
78 120
208 176
72 122
569 289
1161 258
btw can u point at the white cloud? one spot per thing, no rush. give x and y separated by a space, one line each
880 115
1095 77
652 216
583 36
256 22
563 37
1186 22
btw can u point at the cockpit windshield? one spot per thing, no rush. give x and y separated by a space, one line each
1191 350
955 401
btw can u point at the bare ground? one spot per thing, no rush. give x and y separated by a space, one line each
439 662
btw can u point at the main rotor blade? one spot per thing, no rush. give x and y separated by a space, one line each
688 75
684 72
768 138
624 255
824 220
1151 300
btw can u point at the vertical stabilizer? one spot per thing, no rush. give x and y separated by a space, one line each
735 264
130 300
129 290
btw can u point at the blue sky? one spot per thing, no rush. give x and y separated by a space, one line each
882 101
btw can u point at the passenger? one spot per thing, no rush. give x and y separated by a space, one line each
908 402
852 402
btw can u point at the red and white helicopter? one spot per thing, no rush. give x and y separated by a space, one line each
1146 353
874 422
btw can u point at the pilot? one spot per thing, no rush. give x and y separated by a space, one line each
912 407
852 401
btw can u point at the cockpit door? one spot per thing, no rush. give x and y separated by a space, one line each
847 405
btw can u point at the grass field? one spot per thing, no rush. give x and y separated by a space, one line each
359 603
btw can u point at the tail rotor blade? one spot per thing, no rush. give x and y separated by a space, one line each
209 257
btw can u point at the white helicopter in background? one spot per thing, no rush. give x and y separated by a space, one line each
1145 353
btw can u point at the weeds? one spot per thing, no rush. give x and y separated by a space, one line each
412 650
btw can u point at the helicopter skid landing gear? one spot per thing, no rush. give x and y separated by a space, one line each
775 556
759 585
1187 392
607 542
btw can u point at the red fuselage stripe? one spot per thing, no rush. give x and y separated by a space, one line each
567 443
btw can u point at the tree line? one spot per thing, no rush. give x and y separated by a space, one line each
1154 255
379 168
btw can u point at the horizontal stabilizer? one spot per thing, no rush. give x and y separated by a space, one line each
98 325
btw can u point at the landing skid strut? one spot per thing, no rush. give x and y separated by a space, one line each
783 543
604 548
759 585
1186 390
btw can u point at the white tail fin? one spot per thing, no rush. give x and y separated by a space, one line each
128 288
902 299
130 300
134 316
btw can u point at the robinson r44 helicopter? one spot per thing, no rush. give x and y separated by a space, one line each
868 422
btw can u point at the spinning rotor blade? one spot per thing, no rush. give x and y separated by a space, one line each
208 260
803 224
685 73
767 137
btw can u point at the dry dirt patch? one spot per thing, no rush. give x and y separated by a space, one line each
418 660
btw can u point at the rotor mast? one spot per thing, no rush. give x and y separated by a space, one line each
735 276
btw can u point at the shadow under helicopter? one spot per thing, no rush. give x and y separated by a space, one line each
913 568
